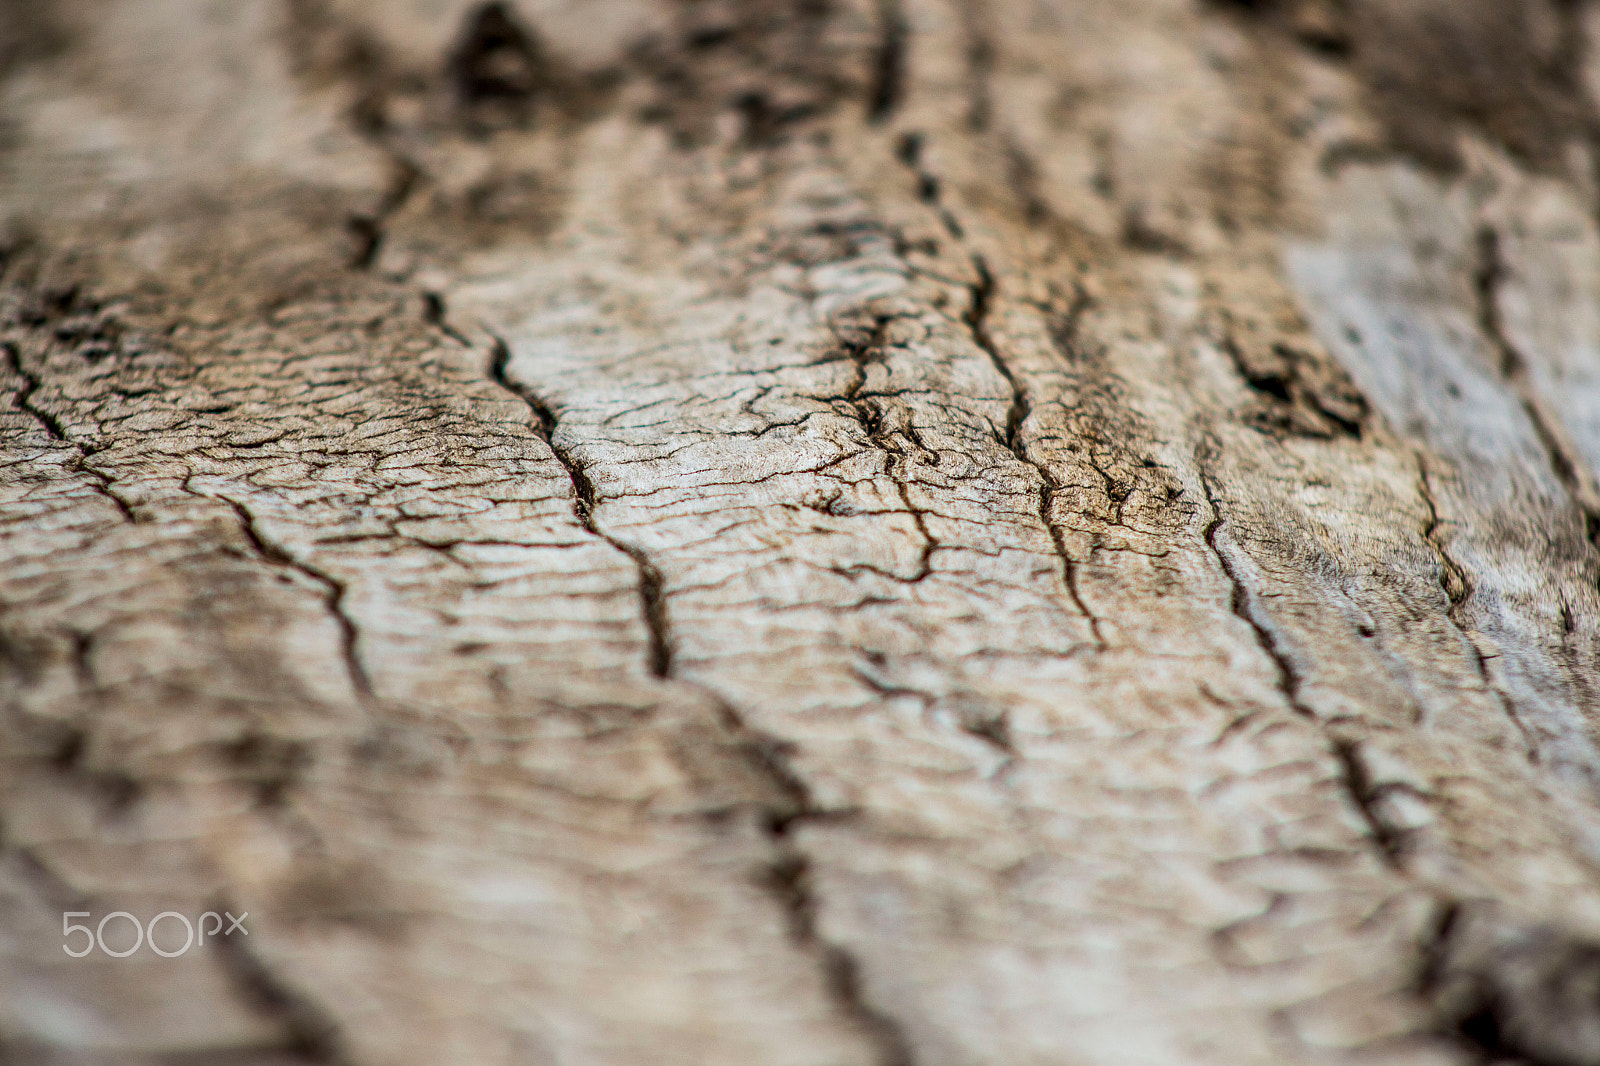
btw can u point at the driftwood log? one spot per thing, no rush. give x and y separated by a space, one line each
882 532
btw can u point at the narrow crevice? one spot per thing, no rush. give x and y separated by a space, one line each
654 605
870 415
325 46
1357 782
1354 779
371 229
1454 581
887 87
789 881
1488 274
652 595
367 70
930 544
786 879
437 315
981 293
1435 949
769 755
863 345
334 593
863 352
1458 589
1288 676
908 150
1048 487
976 318
313 1035
22 400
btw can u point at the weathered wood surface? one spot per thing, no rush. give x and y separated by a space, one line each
785 531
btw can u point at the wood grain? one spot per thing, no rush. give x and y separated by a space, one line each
765 531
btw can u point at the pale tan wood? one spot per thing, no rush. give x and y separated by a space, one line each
761 532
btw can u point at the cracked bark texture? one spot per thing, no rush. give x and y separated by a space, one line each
871 532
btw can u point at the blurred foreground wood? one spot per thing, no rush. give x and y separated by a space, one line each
902 533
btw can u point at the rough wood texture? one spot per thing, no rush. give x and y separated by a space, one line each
909 533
